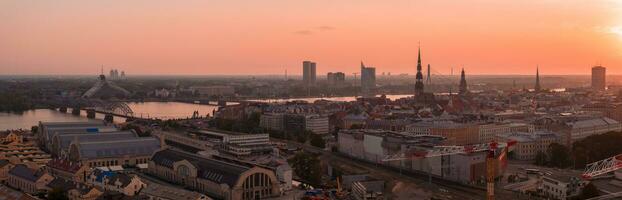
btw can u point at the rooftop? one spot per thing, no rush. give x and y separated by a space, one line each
24 172
208 168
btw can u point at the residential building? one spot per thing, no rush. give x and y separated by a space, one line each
126 184
5 166
529 144
599 75
216 178
316 123
375 145
336 78
238 144
272 121
83 192
456 133
489 131
25 152
28 180
561 186
398 125
368 80
575 130
10 137
12 194
350 120
73 171
294 123
309 73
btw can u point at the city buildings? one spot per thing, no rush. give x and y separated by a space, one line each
61 142
574 130
375 145
308 73
110 181
127 152
65 169
368 80
27 179
211 91
5 166
489 131
216 178
272 121
561 186
317 124
455 133
599 78
528 144
336 78
47 130
237 144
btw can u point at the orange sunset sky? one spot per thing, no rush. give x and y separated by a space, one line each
209 37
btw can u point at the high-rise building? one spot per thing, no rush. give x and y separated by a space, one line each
598 78
428 79
463 84
308 72
312 73
537 88
368 80
419 83
335 78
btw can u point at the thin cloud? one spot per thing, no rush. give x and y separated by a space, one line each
325 28
303 32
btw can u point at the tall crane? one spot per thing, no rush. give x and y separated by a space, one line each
602 167
491 148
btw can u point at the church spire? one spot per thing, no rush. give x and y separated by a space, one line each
419 82
537 87
429 78
463 84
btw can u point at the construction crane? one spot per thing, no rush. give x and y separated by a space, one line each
602 167
491 148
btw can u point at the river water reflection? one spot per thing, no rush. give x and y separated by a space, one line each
161 110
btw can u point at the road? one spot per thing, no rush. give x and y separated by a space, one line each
439 188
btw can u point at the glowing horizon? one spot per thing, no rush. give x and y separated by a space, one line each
195 37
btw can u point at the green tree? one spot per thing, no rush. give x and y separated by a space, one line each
34 129
57 194
558 156
589 191
307 167
317 141
541 159
596 147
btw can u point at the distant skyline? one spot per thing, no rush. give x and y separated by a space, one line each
203 37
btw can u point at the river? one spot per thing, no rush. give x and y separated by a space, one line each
161 110
312 99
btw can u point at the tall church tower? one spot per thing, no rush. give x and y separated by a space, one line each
419 83
537 88
428 79
463 84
